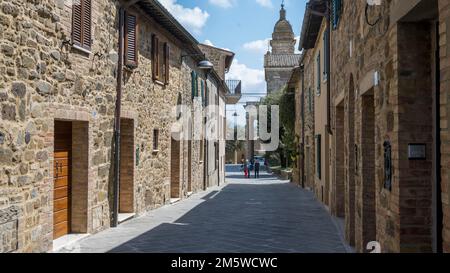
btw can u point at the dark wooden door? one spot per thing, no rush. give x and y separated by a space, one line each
62 179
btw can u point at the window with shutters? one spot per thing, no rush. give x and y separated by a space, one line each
194 85
319 74
131 40
82 24
155 58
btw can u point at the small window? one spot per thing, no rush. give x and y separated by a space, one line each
82 24
319 74
155 140
155 58
319 156
131 55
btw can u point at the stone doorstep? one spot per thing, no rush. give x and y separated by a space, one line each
123 217
68 240
174 200
189 193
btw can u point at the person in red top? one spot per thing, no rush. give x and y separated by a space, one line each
245 169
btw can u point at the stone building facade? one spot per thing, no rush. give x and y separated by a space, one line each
58 104
279 62
389 126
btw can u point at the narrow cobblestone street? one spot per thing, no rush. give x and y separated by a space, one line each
245 216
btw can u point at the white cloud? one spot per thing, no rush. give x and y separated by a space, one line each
208 42
261 46
258 46
297 43
265 3
253 80
193 19
222 3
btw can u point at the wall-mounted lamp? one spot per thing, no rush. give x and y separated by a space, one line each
202 65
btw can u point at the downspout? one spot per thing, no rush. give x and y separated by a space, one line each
302 107
115 220
205 144
328 67
437 142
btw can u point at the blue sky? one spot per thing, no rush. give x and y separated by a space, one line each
243 26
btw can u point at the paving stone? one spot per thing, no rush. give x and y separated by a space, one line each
244 216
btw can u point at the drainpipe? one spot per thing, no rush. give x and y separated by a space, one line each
115 220
205 140
328 60
302 107
437 142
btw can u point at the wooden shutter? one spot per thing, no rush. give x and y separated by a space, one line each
87 24
131 54
155 57
193 83
81 24
166 63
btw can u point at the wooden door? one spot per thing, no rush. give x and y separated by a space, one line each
62 179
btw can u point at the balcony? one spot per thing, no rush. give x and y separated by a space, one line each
235 94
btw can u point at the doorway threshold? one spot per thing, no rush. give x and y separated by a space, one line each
123 217
174 200
68 241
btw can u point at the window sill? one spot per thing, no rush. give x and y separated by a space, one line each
158 82
155 151
81 49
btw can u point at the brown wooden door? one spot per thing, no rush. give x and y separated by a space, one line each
62 179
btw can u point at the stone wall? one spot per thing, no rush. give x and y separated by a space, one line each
42 79
388 66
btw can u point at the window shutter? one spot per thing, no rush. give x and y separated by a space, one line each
81 24
87 9
193 79
206 93
202 91
336 12
318 74
76 24
155 57
166 63
131 56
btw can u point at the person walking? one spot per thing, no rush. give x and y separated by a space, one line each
245 169
257 166
251 168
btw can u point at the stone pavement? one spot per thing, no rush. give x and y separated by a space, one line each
245 216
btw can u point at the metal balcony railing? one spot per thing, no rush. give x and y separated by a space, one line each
235 86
